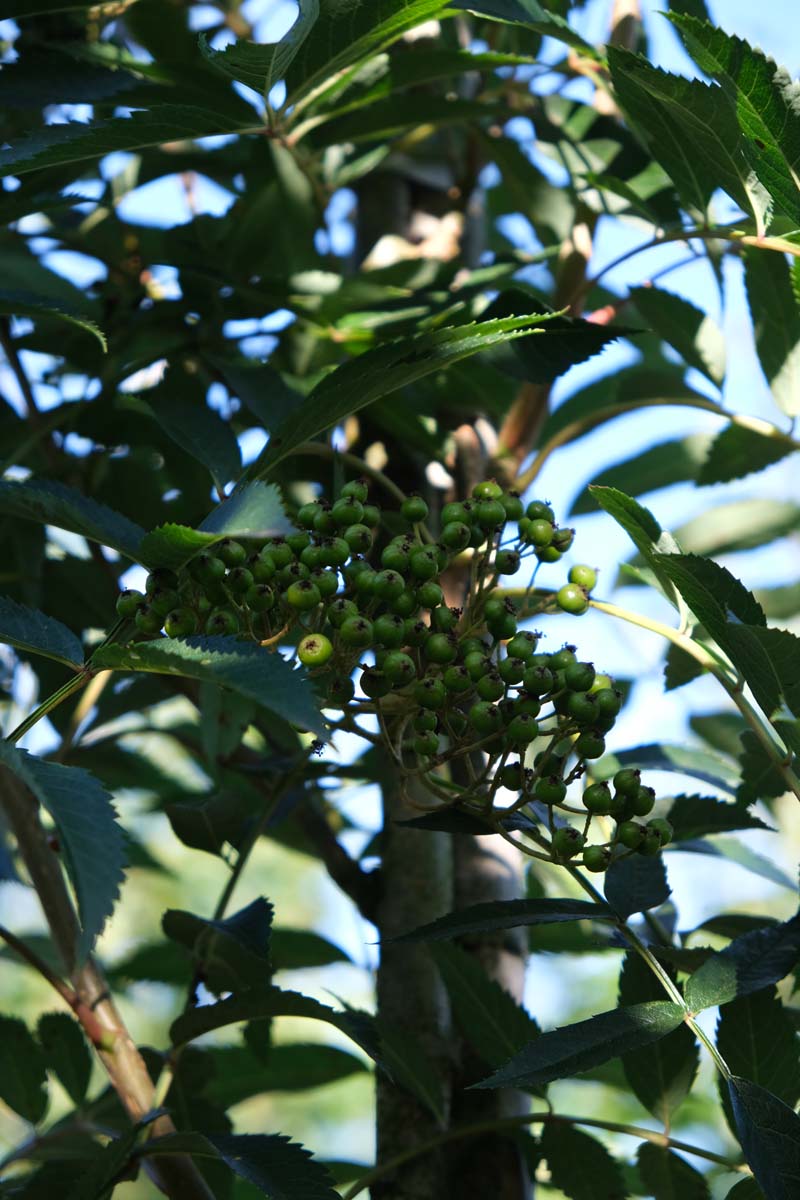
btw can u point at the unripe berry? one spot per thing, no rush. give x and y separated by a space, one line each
339 610
563 539
579 676
662 828
651 843
589 744
426 744
456 679
372 515
417 632
572 599
539 534
513 505
487 489
311 557
357 488
425 721
232 553
539 510
423 562
444 619
307 515
356 632
597 798
334 552
642 802
327 580
389 585
609 702
539 681
399 669
429 594
303 595
490 686
207 568
581 707
522 730
222 622
585 577
507 562
477 664
389 630
485 718
358 538
630 834
627 781
181 622
511 670
324 522
548 554
512 776
128 603
596 858
430 693
395 557
374 684
291 573
455 513
522 645
263 566
260 597
550 789
340 690
502 628
347 511
563 658
404 605
298 542
239 580
414 509
490 514
456 536
567 842
161 578
441 648
314 650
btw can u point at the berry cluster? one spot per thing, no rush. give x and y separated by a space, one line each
447 682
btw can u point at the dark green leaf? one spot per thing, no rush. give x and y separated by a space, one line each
739 451
107 1166
751 962
690 128
278 1168
66 1053
636 884
451 820
154 961
697 816
28 304
53 503
776 325
666 1176
267 1003
36 633
192 425
91 840
260 388
233 954
770 1135
659 1075
722 730
53 145
575 1048
23 1079
758 1041
491 1020
505 914
291 1067
653 543
247 669
765 104
680 668
410 1067
261 65
713 590
688 329
780 649
381 371
530 13
580 1165
296 949
660 466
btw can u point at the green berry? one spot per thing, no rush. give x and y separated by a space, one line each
326 580
456 679
630 834
511 669
372 515
507 562
563 539
589 744
485 718
512 776
417 633
642 802
539 534
429 594
263 566
513 505
581 707
426 744
129 603
414 509
389 630
311 557
662 828
222 622
207 568
455 513
585 577
441 648
357 488
374 684
490 514
597 798
627 781
161 578
425 721
358 538
399 668
550 789
307 515
341 690
324 522
314 650
356 632
239 580
232 553
650 844
148 620
334 552
490 686
347 511
389 585
596 858
609 702
456 536
163 600
548 554
339 610
572 599
298 542
579 676
365 583
567 842
503 628
488 489
303 595
293 572
260 597
522 645
538 510
430 693
522 730
423 562
539 681
444 619
404 605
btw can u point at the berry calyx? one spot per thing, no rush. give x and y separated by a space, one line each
314 650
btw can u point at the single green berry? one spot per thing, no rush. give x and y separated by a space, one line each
529 705
485 718
597 798
293 572
455 513
572 599
303 595
423 562
444 619
425 721
148 620
511 669
581 707
207 568
426 744
596 858
513 505
310 557
490 686
365 584
512 776
358 538
128 603
456 679
609 702
161 578
441 648
399 668
222 622
579 676
357 488
522 730
539 681
539 534
324 522
585 577
232 553
539 510
356 632
372 515
347 511
389 585
339 610
589 744
456 536
239 580
627 781
430 693
414 509
548 554
477 664
567 842
374 683
602 683
417 632
630 834
503 628
314 650
405 605
395 557
490 514
298 542
163 600
327 580
563 539
488 489
522 645
341 690
650 844
662 828
334 552
643 801
429 594
550 789
260 598
307 514
389 630
263 566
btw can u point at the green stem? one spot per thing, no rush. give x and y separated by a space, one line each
535 1118
58 697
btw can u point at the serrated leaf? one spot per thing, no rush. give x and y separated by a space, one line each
279 1168
765 103
751 962
66 1053
54 145
53 503
97 1182
23 1079
769 1132
717 593
636 884
200 431
573 1049
505 914
232 953
690 128
248 669
411 1068
298 949
682 760
260 388
680 668
292 1067
531 14
652 542
738 451
776 326
28 304
667 1176
92 842
659 466
490 1019
758 1041
775 650
580 1165
384 370
697 816
32 631
722 730
265 1003
261 65
660 1075
689 330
